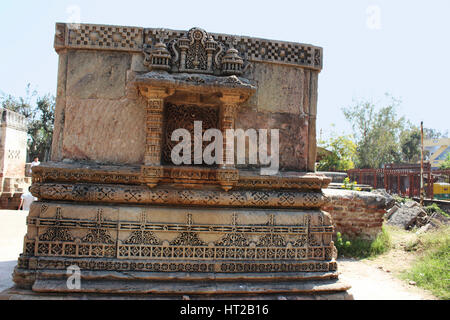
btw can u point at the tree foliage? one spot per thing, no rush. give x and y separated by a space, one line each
383 137
341 154
429 133
410 140
446 163
377 133
40 114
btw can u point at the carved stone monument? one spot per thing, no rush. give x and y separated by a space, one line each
13 155
113 202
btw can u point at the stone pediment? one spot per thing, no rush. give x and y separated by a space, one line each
194 52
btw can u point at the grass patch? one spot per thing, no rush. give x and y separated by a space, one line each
361 248
400 199
432 270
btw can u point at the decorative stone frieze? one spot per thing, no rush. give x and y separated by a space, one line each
135 39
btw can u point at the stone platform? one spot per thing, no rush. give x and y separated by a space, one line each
128 238
23 294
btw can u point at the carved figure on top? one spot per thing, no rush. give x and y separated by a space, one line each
194 52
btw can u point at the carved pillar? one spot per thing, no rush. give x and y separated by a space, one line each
183 44
227 174
154 120
228 115
152 170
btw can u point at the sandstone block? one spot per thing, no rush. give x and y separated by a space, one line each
97 75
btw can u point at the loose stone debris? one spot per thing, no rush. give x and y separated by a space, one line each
411 214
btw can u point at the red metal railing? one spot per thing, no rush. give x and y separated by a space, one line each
401 179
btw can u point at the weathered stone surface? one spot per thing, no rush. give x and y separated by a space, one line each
390 201
103 130
60 107
280 88
137 63
356 213
23 294
200 82
287 234
391 211
100 76
13 144
13 153
195 287
293 134
136 222
158 196
409 214
132 39
96 75
336 177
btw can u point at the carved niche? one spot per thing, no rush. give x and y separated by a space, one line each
184 116
194 52
193 77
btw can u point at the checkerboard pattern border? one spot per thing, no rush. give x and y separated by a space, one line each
133 39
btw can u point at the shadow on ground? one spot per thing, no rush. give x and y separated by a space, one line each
6 270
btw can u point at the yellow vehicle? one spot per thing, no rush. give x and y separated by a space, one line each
441 190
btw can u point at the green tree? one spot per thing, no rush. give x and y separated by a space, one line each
22 105
40 128
410 145
40 114
341 154
377 133
446 163
429 133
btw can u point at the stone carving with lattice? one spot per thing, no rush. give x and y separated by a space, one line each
133 39
237 242
183 117
105 37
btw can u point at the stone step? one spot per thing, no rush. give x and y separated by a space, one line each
192 287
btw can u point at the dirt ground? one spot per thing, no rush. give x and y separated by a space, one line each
12 232
374 280
378 278
370 279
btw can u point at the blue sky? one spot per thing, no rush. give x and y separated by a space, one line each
370 47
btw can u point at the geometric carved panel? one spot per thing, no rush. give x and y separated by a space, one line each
183 116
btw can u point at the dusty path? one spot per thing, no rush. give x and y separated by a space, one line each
367 279
372 282
12 232
378 278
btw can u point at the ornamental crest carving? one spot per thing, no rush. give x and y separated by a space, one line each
194 52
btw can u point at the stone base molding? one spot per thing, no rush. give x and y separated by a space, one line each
177 245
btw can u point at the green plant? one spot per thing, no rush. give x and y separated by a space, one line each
432 208
350 185
362 248
399 199
340 241
446 163
340 151
432 270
